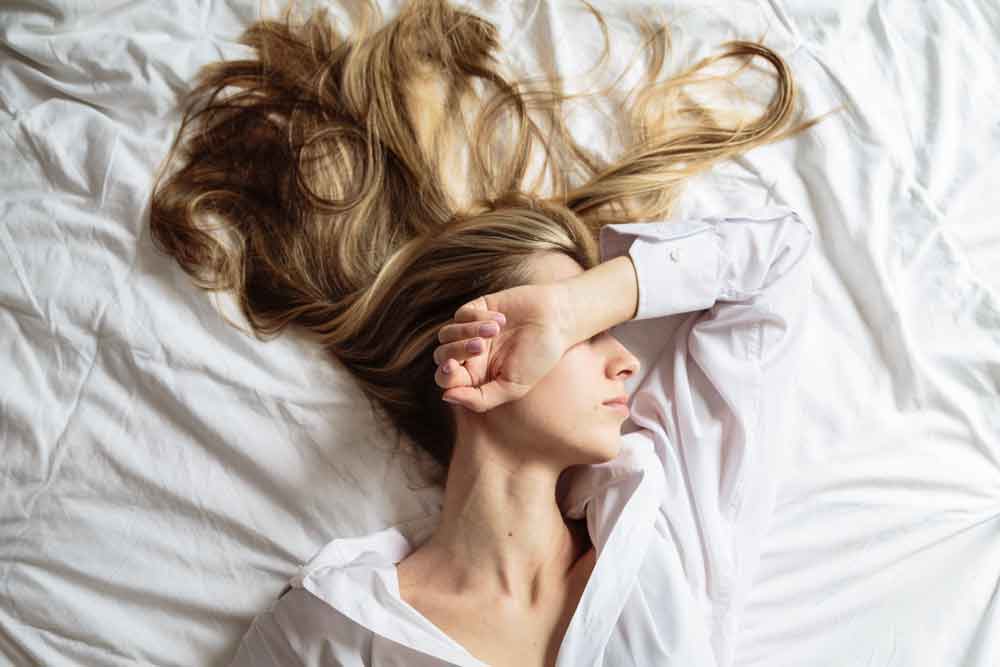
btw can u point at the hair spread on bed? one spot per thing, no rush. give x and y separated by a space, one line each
365 186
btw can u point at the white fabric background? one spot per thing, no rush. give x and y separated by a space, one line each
163 474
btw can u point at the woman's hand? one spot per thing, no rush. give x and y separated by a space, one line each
511 360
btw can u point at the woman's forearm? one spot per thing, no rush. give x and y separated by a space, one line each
600 298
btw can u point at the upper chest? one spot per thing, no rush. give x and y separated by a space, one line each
501 638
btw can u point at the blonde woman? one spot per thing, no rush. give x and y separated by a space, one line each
318 182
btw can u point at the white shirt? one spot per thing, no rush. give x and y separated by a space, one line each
676 519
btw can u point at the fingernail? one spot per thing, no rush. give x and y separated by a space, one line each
499 317
449 400
446 368
488 329
474 345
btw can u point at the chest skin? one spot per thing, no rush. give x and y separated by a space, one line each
499 637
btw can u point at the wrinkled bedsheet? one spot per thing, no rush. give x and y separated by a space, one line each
163 474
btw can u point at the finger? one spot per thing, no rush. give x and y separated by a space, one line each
459 350
479 328
479 399
452 374
465 314
477 310
468 398
471 310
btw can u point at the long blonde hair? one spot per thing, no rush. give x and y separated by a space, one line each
315 182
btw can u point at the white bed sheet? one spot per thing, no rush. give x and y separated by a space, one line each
164 474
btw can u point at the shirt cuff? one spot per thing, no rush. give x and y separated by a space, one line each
677 272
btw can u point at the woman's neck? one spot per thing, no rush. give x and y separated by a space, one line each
502 536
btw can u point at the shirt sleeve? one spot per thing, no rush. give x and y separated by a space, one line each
717 403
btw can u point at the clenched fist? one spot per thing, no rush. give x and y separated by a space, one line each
484 362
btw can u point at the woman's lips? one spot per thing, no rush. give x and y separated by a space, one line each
621 407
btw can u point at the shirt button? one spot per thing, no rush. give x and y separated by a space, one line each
675 254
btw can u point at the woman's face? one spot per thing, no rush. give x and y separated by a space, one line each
562 418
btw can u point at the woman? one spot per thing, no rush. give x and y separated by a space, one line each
329 169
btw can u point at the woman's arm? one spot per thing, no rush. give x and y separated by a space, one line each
655 269
599 298
719 406
664 268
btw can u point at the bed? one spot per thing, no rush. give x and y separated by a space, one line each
163 474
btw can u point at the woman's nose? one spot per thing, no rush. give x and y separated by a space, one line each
631 366
628 364
624 361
